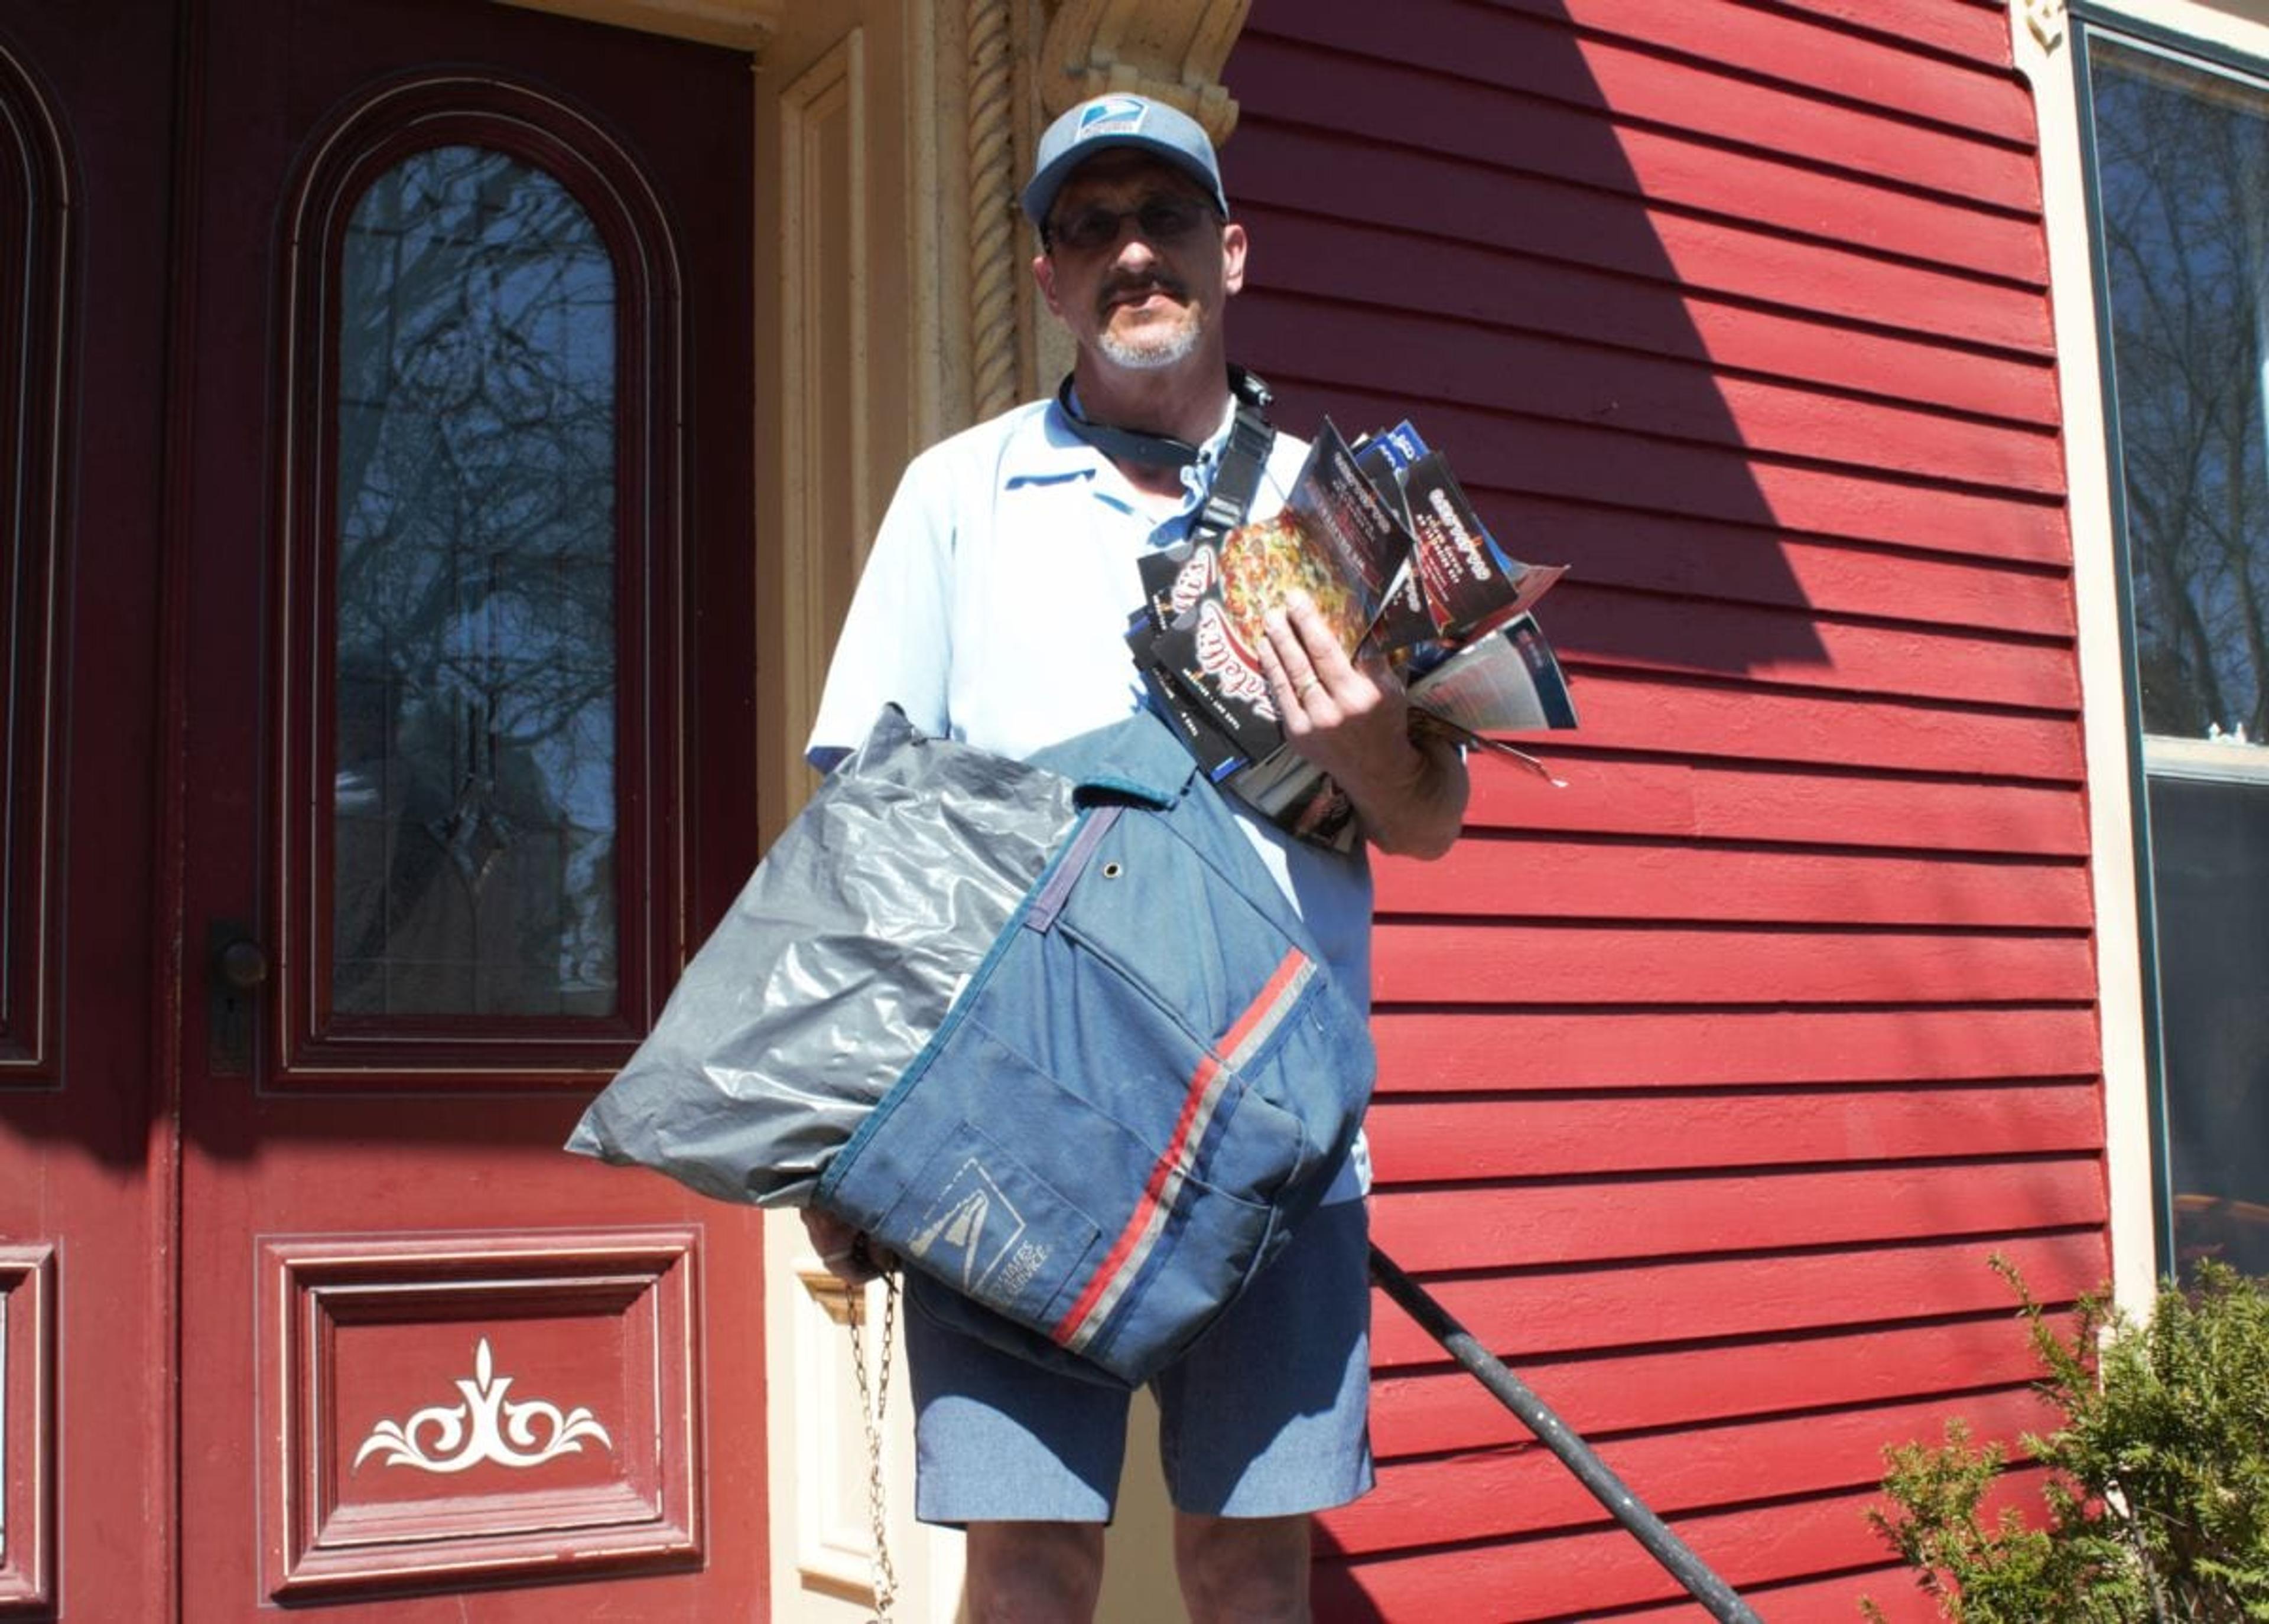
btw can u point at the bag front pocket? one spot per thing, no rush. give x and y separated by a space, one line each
975 1216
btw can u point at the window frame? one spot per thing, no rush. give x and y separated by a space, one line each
317 1048
2145 754
38 294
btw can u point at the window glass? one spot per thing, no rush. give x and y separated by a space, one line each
2210 872
474 590
2182 168
2182 175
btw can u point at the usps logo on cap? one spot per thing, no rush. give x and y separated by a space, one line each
1114 115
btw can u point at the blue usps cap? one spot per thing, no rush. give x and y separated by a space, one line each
1120 120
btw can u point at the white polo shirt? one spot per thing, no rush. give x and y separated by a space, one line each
993 610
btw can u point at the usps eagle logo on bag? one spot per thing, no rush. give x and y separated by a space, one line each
973 1221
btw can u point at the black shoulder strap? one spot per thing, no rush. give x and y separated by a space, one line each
1237 478
1235 481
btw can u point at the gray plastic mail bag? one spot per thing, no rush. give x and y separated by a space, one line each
1049 1031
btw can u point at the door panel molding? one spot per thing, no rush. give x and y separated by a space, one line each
27 1423
468 1409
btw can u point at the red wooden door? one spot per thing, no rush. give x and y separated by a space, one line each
86 1152
463 757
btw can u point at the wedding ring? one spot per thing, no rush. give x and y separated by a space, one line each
1302 692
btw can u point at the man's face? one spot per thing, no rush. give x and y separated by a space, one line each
1141 292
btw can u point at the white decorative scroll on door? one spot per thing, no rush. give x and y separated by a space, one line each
487 1427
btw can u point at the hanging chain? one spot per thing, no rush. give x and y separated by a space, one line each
872 1399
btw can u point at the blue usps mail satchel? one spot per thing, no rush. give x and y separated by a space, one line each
1047 1030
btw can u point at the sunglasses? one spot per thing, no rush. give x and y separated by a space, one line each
1168 217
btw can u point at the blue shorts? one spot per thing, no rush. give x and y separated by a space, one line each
1265 1416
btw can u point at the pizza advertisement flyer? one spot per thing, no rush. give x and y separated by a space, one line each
1161 571
1387 547
1215 753
1402 445
1338 506
1508 681
1334 540
1471 584
1403 621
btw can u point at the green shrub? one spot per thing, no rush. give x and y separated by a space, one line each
2157 1497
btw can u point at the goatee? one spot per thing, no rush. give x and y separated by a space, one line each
1151 350
1151 346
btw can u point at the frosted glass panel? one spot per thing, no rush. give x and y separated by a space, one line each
474 585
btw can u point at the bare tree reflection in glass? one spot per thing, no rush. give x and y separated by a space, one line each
2183 164
2182 155
474 585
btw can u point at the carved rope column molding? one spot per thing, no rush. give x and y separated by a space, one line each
1170 49
994 265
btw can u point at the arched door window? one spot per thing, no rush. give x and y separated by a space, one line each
33 286
475 666
481 493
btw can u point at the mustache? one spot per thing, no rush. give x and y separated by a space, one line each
1137 282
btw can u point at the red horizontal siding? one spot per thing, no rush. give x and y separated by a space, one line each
1665 64
1922 662
1545 879
1767 801
1514 1048
1495 1491
1976 31
1449 362
1894 1590
1444 1411
1934 288
1503 450
1785 187
1820 576
1769 1551
1489 962
1751 1301
1427 1139
1723 720
1600 1220
1710 1081
1356 262
1778 43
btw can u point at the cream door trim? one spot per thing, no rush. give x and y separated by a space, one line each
853 313
893 305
